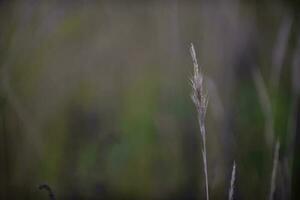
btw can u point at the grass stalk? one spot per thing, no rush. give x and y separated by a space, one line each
274 170
232 180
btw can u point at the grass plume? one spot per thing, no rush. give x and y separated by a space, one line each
200 99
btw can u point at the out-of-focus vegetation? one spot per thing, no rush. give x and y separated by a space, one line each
95 98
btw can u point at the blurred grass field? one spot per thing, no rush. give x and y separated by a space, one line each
95 98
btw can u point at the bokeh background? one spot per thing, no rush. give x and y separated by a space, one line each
95 98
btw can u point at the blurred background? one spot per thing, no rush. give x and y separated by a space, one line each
95 98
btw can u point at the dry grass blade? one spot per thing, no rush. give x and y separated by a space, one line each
232 180
200 100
